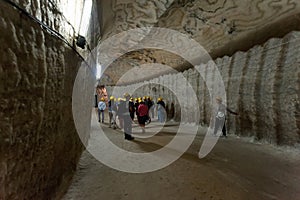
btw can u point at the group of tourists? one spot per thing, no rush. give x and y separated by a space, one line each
141 109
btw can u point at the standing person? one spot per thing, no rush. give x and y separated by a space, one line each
172 110
136 105
96 104
119 114
124 111
161 106
120 117
131 108
101 108
221 116
151 107
112 110
143 115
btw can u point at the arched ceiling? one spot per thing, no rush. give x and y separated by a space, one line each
222 27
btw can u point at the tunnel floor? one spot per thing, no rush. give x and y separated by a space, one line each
235 169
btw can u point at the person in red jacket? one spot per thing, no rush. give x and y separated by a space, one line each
143 115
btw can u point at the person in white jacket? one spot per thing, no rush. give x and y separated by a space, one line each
101 109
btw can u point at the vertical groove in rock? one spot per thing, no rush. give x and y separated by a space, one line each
177 105
242 123
286 88
258 99
250 98
277 90
205 94
230 66
201 89
184 97
267 102
212 88
239 60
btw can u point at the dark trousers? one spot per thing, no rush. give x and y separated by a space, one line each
100 114
218 124
132 115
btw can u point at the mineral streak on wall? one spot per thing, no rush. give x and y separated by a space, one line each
39 146
262 85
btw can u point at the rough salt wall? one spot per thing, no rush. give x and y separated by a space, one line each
39 146
222 23
262 85
222 27
49 13
123 15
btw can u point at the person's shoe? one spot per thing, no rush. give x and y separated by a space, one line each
128 137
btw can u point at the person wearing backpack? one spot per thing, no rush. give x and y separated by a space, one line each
101 109
112 111
221 117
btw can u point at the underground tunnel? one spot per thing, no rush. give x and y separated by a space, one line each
60 58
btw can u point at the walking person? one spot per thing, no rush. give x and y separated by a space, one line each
124 112
161 106
151 107
131 108
221 117
96 105
143 115
120 116
112 110
101 109
136 106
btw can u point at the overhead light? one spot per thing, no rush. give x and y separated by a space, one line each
80 41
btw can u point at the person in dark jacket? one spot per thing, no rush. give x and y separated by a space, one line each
131 108
136 106
151 107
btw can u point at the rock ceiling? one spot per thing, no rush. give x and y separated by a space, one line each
222 27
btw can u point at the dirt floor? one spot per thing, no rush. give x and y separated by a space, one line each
235 169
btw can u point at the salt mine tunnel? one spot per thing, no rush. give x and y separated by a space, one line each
60 58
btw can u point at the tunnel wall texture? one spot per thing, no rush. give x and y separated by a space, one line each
262 85
39 146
